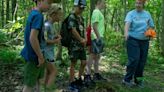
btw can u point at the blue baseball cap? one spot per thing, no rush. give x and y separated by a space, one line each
81 3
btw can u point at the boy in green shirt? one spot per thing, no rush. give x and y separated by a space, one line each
97 35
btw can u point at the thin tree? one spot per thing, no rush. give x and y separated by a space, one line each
7 11
13 9
2 13
92 6
162 33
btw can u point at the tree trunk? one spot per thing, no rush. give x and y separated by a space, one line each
105 12
7 11
2 13
92 6
112 19
125 8
64 7
13 9
162 33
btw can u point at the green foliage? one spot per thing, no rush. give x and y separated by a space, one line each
15 24
12 33
11 54
115 55
2 37
7 55
13 28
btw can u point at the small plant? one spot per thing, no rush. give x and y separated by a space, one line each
7 55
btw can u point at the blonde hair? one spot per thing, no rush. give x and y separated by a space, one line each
55 8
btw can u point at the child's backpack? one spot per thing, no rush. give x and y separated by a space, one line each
88 35
65 33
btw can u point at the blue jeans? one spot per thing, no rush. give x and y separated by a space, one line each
137 51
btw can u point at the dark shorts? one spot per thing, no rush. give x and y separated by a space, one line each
32 73
97 46
81 55
51 61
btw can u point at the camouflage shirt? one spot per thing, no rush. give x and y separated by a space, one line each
78 23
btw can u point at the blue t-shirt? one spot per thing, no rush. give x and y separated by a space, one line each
139 23
34 21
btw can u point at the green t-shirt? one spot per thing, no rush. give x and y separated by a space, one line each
98 17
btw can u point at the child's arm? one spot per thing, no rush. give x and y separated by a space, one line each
96 29
46 33
55 41
35 45
72 27
77 36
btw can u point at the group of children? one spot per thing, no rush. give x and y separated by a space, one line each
40 38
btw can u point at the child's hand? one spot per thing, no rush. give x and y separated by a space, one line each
59 36
57 39
83 42
41 61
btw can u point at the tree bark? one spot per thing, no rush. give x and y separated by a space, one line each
7 11
125 8
92 7
162 33
13 9
2 13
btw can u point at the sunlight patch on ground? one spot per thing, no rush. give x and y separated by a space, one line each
109 66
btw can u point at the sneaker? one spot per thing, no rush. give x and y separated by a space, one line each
98 77
79 83
139 83
73 87
128 84
88 81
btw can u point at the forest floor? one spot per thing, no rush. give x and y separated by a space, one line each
111 67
